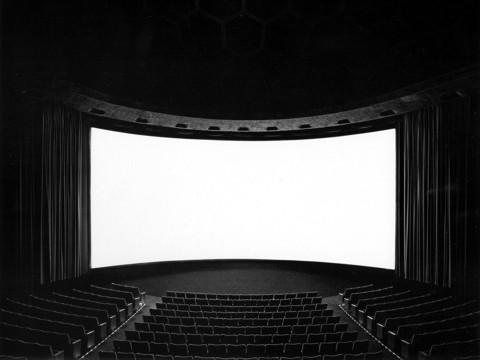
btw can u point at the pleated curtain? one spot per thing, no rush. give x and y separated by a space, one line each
432 204
53 227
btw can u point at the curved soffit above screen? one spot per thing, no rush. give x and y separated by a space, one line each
405 100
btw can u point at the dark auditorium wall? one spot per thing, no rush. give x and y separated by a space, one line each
238 59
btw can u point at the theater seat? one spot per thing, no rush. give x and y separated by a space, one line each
147 336
125 356
163 357
360 346
183 357
107 355
333 357
139 326
310 349
159 348
198 350
178 338
178 349
333 337
274 350
344 347
255 350
144 356
328 348
349 336
217 350
293 350
140 347
122 346
247 339
236 351
354 356
132 335
298 338
378 355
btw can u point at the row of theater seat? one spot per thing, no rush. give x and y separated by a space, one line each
333 326
66 323
190 295
326 317
242 330
239 339
266 314
243 351
240 308
110 355
29 349
453 350
416 323
182 308
234 303
79 339
56 340
89 323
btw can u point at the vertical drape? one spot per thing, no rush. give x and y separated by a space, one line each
65 193
53 228
432 172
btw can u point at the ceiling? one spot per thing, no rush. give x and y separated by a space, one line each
237 59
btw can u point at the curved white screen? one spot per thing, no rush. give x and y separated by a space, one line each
159 199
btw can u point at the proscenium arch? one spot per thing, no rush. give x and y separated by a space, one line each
372 114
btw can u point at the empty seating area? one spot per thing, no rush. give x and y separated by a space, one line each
416 323
190 326
64 324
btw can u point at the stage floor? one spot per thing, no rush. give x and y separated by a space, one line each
242 276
